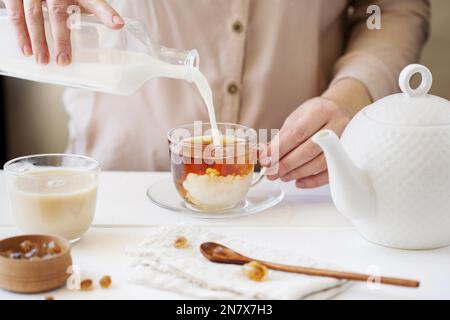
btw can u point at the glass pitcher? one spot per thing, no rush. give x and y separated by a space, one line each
106 60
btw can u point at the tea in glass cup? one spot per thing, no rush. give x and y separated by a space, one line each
213 177
53 194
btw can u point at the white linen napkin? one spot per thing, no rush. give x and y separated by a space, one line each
158 264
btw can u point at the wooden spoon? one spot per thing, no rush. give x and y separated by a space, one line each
218 253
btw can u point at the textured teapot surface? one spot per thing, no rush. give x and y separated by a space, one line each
402 144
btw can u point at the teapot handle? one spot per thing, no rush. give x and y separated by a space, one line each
405 77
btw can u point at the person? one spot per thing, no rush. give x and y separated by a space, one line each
298 65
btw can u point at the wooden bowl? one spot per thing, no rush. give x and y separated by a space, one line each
31 276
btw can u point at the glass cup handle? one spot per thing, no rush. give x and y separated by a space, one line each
259 177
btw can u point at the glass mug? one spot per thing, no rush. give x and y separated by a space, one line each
213 177
53 194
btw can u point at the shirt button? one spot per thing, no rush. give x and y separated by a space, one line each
233 88
238 27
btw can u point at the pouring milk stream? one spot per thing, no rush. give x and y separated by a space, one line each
111 61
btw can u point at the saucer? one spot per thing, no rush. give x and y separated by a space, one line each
264 195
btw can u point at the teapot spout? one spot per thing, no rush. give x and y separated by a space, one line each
350 186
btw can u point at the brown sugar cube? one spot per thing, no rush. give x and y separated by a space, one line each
43 249
14 255
26 246
53 248
255 271
32 253
105 282
181 242
86 285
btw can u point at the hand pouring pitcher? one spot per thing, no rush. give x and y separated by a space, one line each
112 61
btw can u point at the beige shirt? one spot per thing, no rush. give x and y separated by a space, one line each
277 53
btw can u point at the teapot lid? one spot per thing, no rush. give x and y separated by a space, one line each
412 107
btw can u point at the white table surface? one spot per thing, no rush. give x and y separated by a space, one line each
306 223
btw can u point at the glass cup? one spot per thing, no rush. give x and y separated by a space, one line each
213 177
53 194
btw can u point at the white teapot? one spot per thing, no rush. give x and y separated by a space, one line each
390 173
